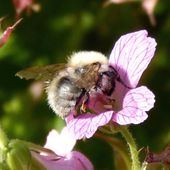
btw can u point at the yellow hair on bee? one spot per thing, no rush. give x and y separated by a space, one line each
83 58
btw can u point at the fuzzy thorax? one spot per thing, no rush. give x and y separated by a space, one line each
83 58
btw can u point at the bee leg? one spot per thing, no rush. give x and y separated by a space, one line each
79 99
85 103
75 114
84 97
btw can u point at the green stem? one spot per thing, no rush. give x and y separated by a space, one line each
132 147
117 145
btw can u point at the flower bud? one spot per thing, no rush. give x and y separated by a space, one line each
18 156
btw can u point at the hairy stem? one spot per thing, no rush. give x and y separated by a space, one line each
132 147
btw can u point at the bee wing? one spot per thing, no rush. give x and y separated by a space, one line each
41 73
89 77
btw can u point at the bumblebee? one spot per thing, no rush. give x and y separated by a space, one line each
70 85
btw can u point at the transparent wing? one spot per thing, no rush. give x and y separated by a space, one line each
89 76
41 73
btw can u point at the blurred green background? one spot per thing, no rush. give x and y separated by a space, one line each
58 29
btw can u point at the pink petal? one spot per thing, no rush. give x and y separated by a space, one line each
131 55
5 36
83 160
135 103
21 5
84 126
62 143
75 161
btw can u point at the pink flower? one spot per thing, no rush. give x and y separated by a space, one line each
21 5
130 57
25 5
6 34
149 6
63 158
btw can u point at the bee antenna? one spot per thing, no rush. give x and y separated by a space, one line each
118 77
